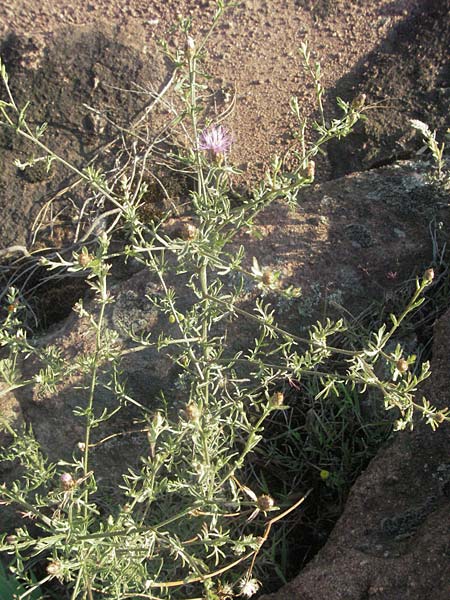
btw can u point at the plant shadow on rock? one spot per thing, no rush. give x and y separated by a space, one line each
370 232
81 68
336 438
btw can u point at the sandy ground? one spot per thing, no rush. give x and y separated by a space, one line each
253 54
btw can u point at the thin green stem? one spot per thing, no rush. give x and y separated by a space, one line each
93 381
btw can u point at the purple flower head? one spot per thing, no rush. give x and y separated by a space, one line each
215 139
67 481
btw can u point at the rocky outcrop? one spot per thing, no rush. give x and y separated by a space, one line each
350 241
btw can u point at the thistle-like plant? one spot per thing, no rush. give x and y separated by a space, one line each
190 521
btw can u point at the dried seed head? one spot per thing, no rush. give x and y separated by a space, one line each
192 411
85 259
402 365
429 275
277 399
358 102
67 481
267 277
265 502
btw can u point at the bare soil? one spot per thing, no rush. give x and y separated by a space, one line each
393 50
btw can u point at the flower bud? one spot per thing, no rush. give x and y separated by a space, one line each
188 232
124 182
192 412
85 259
190 46
311 169
265 502
277 399
402 365
67 482
358 102
54 568
440 418
222 382
324 474
429 275
81 446
158 420
11 539
267 277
